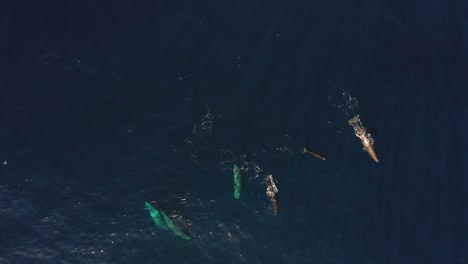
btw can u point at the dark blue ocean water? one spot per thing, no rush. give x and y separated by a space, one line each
107 104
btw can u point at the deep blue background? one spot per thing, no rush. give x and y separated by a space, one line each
99 99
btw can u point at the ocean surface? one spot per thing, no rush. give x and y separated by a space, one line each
106 105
